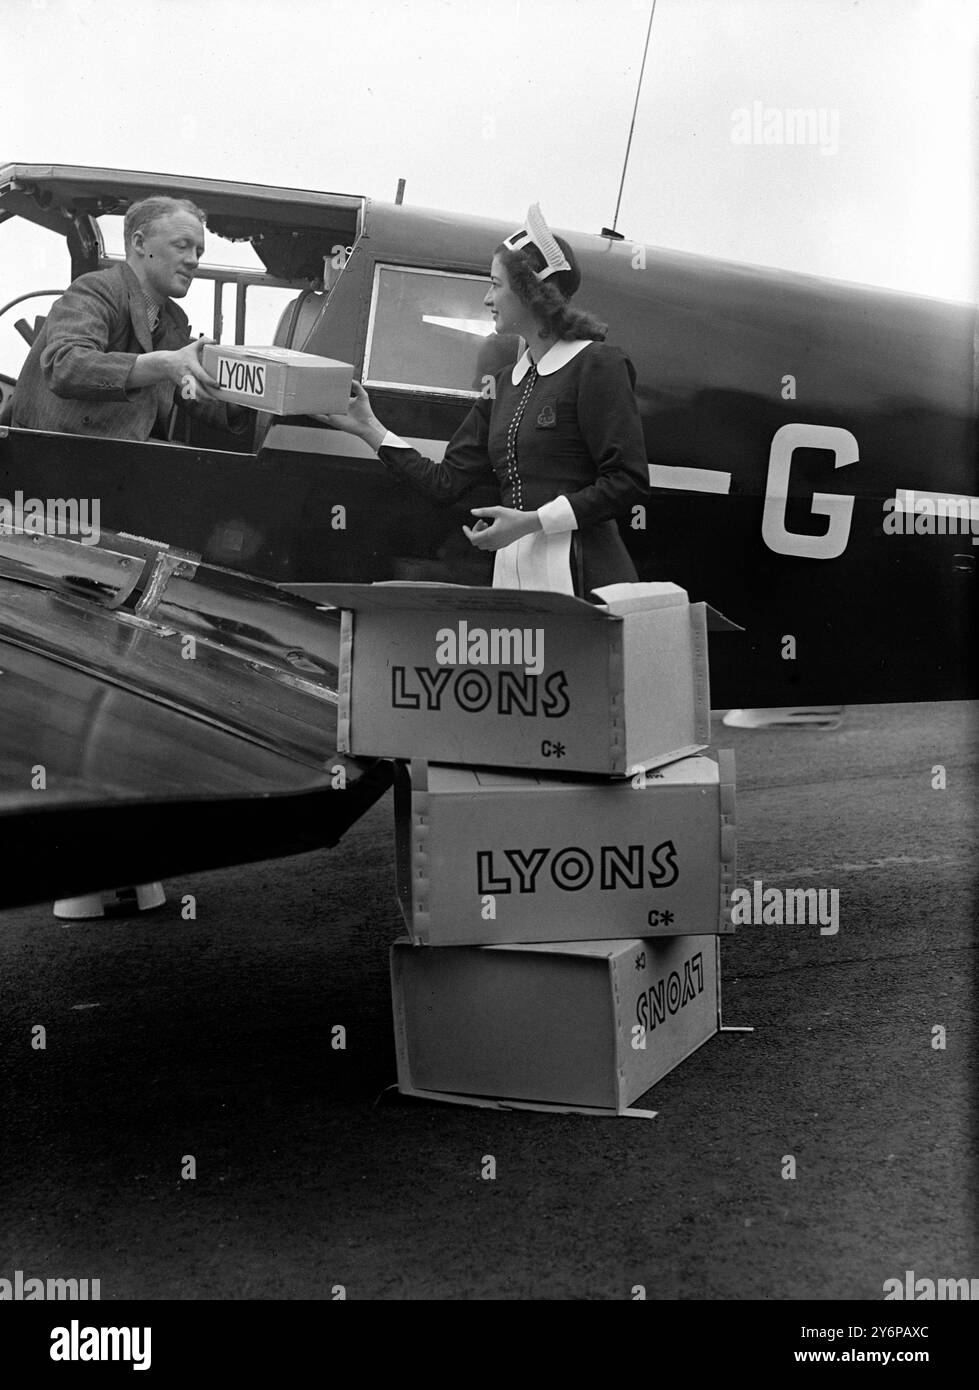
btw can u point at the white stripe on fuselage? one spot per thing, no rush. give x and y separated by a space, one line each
910 499
304 439
689 479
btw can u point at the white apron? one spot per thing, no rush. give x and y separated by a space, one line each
541 560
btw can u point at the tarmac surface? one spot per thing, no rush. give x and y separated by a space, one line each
212 1037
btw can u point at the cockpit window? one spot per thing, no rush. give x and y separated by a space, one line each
430 331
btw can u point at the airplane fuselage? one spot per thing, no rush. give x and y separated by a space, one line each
794 428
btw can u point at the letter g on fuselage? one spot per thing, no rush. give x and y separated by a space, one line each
838 507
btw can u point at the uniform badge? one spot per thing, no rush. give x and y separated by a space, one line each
547 419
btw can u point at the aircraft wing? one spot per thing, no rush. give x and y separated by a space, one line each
160 717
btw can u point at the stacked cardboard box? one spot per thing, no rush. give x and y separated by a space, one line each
563 928
556 860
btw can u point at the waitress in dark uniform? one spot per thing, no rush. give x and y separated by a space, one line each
561 434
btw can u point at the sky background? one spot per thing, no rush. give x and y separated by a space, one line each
484 106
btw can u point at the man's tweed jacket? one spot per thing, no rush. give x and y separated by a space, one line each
74 378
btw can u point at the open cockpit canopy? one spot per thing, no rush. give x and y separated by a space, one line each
293 231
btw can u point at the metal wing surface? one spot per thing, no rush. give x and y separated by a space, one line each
158 716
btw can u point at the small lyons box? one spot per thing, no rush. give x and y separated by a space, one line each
589 1025
516 678
486 857
279 380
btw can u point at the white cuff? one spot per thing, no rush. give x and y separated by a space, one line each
557 515
392 441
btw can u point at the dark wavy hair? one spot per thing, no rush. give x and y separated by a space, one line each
548 299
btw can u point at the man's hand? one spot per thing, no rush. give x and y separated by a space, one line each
504 526
182 366
184 370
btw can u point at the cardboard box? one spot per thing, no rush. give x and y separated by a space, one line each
485 857
508 678
552 1026
279 380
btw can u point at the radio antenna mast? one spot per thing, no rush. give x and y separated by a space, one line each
610 231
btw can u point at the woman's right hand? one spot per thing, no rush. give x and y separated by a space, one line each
359 419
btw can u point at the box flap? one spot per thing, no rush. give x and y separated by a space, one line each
630 598
447 779
611 949
614 947
548 1108
464 599
716 622
633 598
686 771
460 600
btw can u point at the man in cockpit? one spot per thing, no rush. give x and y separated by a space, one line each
115 352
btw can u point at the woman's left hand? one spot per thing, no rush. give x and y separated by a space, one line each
500 526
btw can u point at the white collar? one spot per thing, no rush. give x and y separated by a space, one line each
553 360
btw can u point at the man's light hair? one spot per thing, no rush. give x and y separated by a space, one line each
142 215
